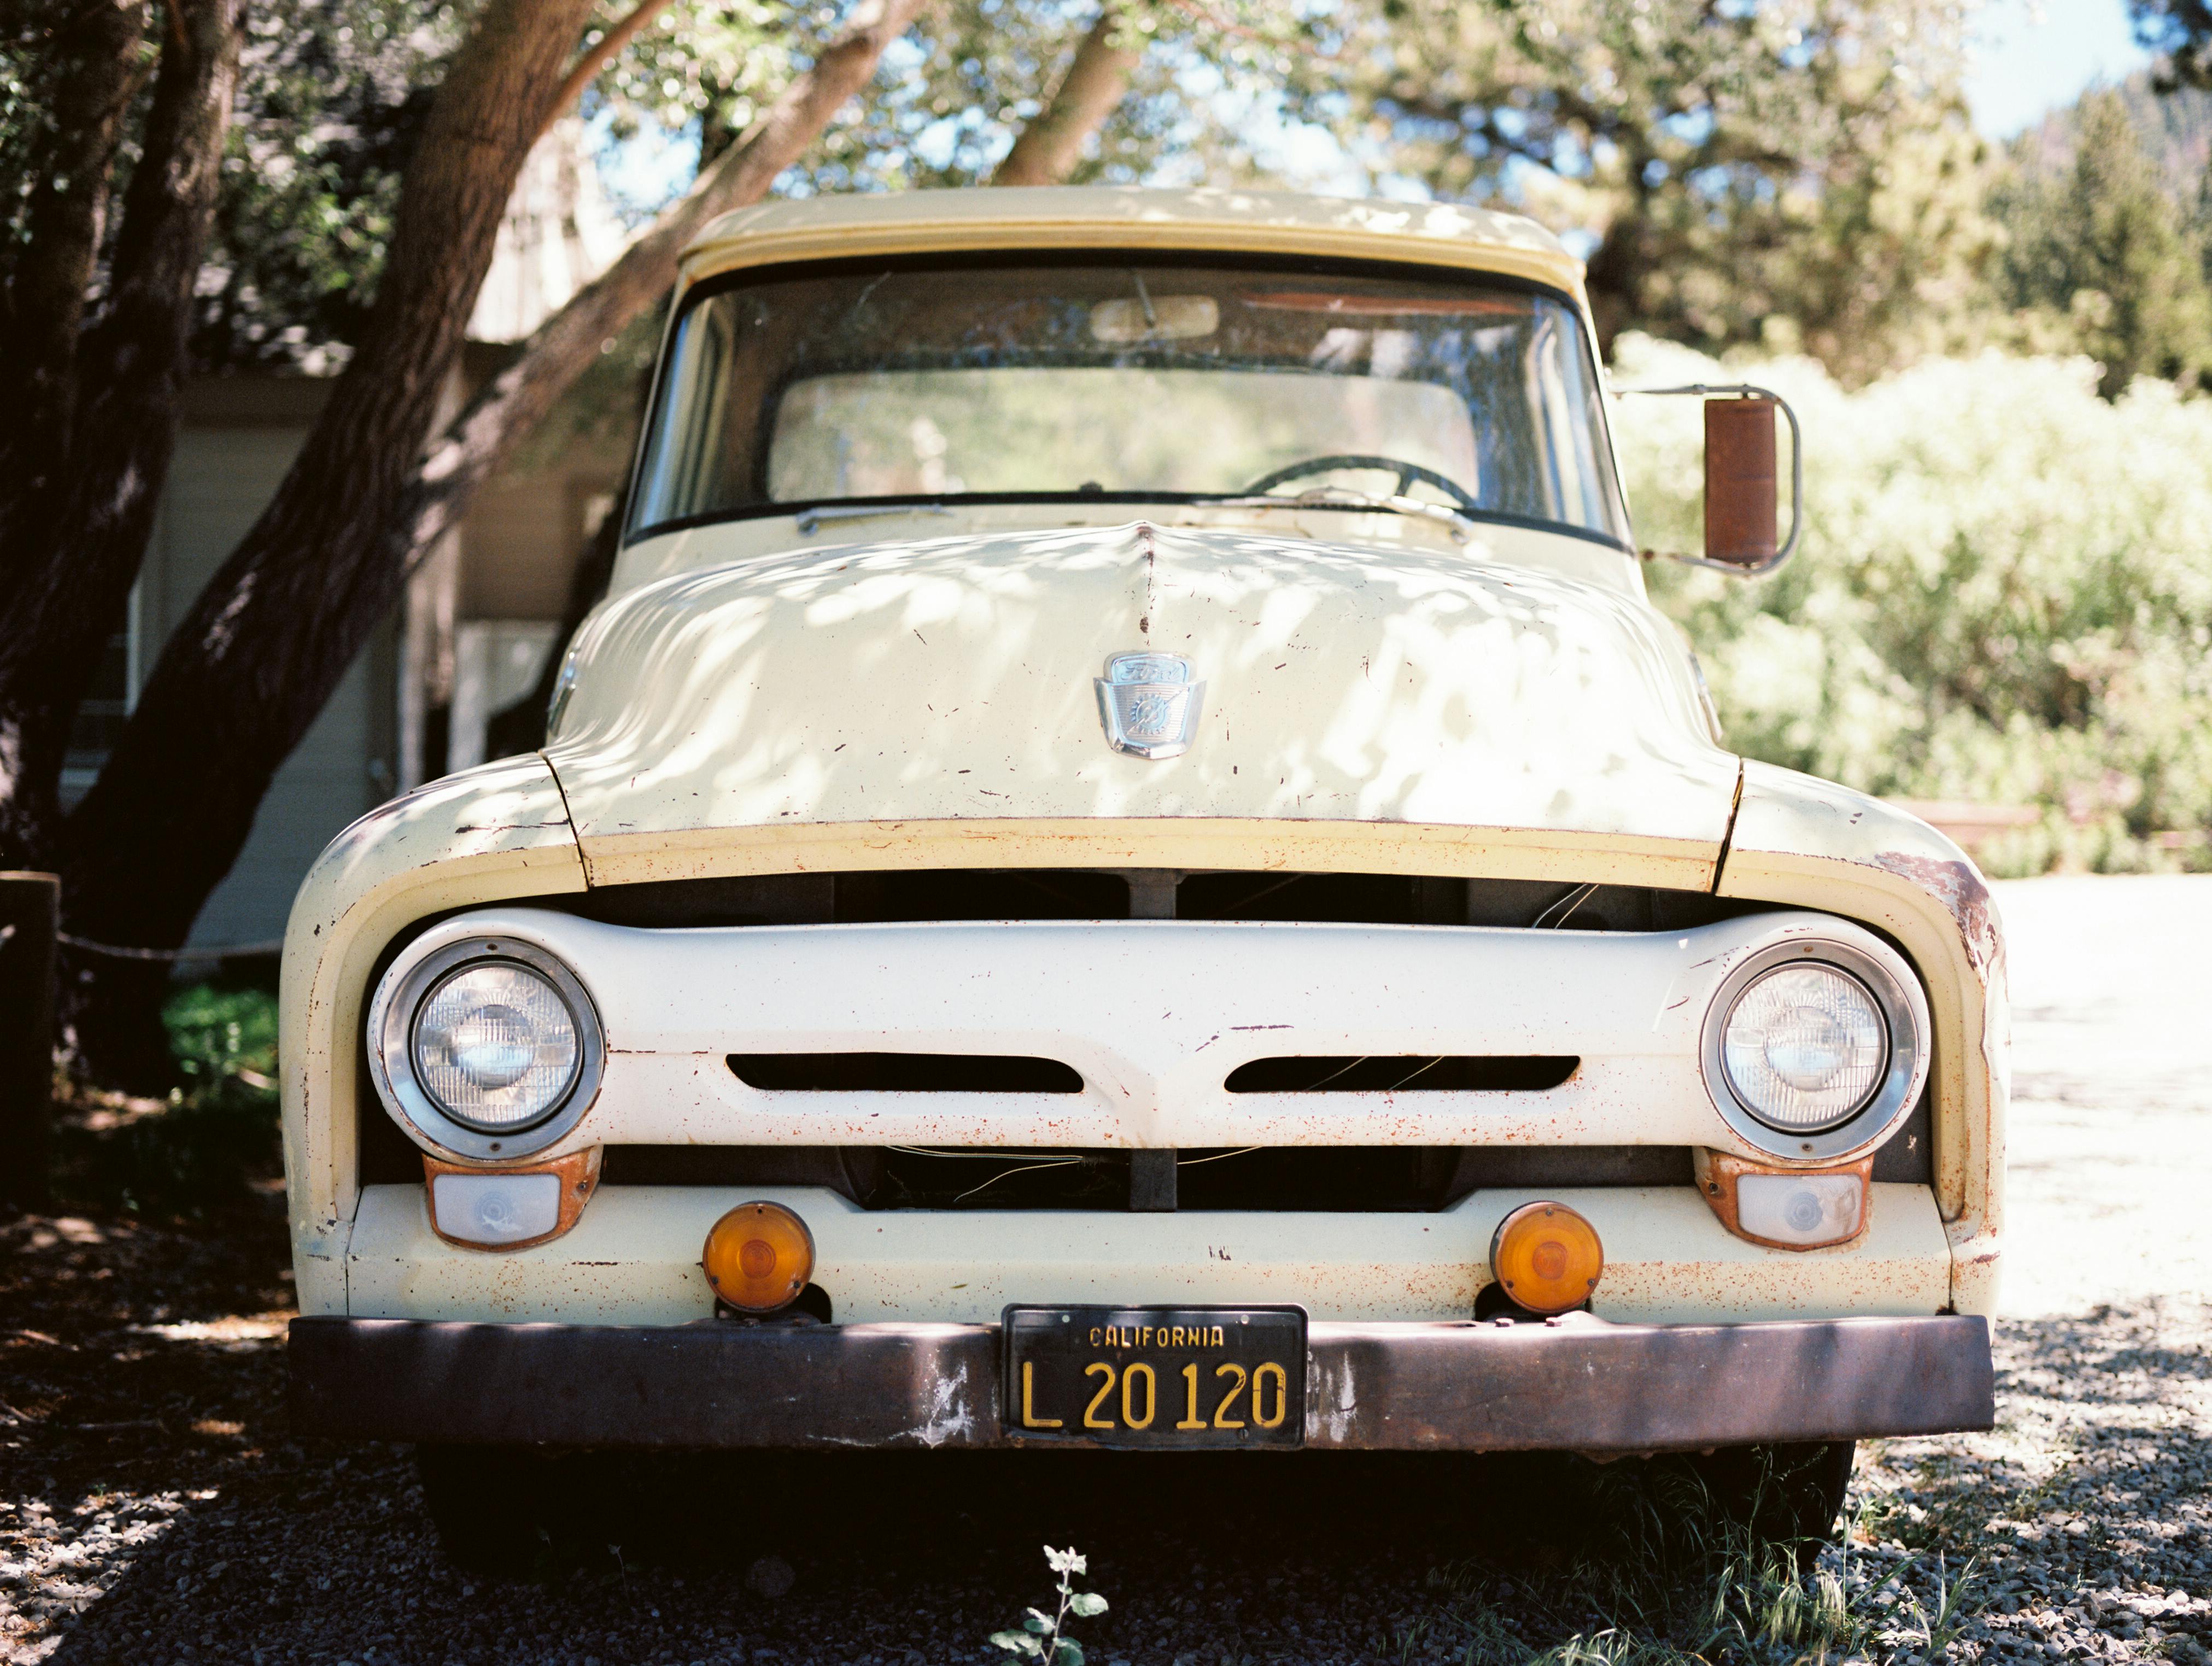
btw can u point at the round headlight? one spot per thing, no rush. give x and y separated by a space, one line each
495 1046
484 1048
1805 1047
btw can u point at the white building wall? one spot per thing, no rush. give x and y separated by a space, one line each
222 478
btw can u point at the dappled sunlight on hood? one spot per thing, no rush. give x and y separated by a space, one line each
953 679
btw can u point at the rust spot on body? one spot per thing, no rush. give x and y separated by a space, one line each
1958 886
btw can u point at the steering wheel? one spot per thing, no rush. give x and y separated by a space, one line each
1408 473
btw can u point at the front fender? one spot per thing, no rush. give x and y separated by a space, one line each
490 834
1811 844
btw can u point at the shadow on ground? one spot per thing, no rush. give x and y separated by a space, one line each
153 1508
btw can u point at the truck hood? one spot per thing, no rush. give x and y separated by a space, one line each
953 680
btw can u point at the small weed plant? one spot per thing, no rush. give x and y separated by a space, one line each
1042 1636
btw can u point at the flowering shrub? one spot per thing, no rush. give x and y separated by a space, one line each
2004 594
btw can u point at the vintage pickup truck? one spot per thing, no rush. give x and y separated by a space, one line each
1126 863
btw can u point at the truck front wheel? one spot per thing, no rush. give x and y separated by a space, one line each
493 1505
1783 1497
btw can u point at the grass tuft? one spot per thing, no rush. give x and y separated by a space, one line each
1669 1577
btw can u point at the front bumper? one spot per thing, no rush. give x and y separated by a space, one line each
1579 1385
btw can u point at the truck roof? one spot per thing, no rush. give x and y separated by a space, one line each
1127 217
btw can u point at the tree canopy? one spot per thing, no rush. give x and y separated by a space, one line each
2100 256
1800 170
217 186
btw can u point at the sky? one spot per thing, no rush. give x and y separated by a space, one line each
2035 55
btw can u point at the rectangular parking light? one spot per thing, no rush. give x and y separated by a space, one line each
1801 1209
496 1209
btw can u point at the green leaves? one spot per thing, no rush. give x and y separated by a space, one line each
1040 1636
1999 600
1797 166
2101 255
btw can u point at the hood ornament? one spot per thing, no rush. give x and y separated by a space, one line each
1149 704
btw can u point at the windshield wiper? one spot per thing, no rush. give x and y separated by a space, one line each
1346 497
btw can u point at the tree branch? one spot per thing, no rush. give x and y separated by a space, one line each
596 58
68 593
516 400
269 638
259 651
1046 151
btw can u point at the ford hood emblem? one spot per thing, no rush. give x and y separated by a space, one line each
1149 703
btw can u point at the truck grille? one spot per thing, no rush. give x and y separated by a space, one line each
903 1073
1379 899
1533 1074
1333 1179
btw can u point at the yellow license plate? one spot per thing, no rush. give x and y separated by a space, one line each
1173 1376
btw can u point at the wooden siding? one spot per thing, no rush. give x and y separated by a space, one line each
223 475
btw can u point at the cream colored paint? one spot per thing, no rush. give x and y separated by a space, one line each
1381 699
1187 842
633 1260
953 680
1056 217
731 543
493 833
1813 844
1154 1015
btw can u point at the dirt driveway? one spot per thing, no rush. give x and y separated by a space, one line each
153 1507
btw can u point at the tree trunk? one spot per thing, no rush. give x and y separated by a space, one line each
90 47
252 663
252 666
1616 274
1046 151
516 400
67 595
520 727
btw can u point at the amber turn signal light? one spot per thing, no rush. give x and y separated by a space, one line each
758 1257
1547 1258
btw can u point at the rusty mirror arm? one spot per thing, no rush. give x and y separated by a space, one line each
1740 477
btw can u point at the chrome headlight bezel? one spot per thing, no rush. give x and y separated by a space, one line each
400 997
1903 1005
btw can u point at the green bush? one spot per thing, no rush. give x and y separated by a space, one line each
202 1152
2004 593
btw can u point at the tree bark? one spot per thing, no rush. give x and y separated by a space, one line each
1046 151
516 400
253 665
1100 83
742 174
67 594
90 45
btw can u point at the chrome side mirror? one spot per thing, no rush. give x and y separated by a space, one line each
1742 486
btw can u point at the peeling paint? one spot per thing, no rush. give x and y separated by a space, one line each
949 1416
1958 885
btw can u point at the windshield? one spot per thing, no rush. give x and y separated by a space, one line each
1128 381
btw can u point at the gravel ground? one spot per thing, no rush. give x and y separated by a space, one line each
153 1507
